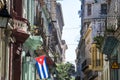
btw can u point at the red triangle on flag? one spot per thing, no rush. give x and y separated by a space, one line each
40 59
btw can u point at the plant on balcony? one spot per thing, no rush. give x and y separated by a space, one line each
35 30
99 41
32 30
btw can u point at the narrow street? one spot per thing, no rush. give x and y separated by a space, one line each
59 40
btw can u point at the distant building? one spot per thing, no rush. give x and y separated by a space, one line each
64 48
89 56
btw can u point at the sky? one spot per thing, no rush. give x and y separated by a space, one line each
71 30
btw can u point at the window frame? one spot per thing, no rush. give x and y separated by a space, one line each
89 9
104 8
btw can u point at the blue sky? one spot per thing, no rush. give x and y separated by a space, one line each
71 30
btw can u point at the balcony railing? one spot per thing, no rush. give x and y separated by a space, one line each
21 25
86 64
21 29
92 75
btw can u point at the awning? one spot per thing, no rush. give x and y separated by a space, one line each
33 42
110 43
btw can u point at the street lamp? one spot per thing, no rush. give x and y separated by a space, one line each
3 22
4 17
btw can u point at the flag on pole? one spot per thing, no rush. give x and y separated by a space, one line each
42 67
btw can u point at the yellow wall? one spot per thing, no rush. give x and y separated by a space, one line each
97 58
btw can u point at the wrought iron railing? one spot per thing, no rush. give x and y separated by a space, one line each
92 75
86 63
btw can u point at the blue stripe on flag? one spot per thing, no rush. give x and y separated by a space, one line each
38 69
47 69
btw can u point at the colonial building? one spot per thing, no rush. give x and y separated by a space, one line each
89 55
111 45
34 29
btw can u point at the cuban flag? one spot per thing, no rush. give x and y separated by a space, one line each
42 67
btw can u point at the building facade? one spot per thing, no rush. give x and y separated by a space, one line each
34 29
93 16
100 30
111 45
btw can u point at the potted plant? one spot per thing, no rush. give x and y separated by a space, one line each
99 41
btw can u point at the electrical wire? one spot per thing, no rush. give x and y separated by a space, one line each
71 28
72 44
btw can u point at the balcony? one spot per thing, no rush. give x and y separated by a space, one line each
86 65
20 29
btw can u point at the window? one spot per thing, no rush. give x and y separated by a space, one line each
89 9
98 62
103 8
